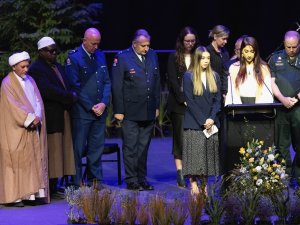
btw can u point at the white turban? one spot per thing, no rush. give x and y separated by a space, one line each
44 42
18 57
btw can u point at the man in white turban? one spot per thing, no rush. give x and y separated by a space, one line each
58 98
23 143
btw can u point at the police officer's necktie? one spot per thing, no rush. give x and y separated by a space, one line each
143 60
92 56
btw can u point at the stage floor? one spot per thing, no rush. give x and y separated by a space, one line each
161 173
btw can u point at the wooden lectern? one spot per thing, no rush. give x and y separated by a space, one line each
242 123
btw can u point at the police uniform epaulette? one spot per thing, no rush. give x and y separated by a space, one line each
278 52
123 51
72 51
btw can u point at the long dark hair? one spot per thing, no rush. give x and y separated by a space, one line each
179 49
257 61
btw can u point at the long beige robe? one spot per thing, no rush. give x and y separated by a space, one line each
23 153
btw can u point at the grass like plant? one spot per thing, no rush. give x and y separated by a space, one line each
195 206
159 210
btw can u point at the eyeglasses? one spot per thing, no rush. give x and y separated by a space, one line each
52 51
189 41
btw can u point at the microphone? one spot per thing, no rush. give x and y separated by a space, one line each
298 25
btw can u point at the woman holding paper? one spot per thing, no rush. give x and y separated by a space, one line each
201 88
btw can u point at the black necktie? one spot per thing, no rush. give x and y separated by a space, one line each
143 60
92 56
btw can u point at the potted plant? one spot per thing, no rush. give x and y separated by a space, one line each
265 211
214 202
129 206
159 210
179 212
195 206
73 198
281 202
104 204
260 173
294 218
143 216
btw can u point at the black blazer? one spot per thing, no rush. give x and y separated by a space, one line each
200 108
217 62
56 98
176 97
135 87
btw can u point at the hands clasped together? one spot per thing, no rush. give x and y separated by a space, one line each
99 108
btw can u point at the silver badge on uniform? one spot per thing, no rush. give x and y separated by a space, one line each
68 61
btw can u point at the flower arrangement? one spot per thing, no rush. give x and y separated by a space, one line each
260 169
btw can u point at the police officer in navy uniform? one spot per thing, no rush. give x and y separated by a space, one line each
285 68
136 96
88 75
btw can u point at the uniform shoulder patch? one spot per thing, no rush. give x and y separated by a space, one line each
68 62
115 62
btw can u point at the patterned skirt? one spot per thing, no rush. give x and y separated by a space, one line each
200 154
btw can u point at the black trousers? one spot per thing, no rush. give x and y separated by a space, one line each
136 139
287 133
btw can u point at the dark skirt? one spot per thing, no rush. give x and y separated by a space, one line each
200 154
177 125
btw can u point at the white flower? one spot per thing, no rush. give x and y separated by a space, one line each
283 175
249 150
243 169
265 166
258 169
259 182
279 171
271 157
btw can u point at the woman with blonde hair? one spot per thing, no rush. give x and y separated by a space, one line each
201 86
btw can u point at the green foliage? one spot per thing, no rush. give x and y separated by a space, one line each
215 206
281 201
23 23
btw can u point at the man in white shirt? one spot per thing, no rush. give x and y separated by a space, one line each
23 144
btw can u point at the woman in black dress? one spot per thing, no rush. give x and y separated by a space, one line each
178 63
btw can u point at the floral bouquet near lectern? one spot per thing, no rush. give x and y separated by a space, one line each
260 169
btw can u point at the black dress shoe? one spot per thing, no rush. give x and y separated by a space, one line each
36 202
180 179
146 186
134 186
57 195
14 204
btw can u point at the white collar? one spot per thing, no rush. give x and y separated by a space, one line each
138 55
89 54
20 78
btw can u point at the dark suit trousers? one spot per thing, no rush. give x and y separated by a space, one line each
287 133
136 140
88 135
